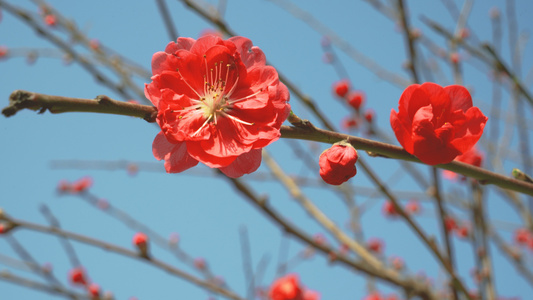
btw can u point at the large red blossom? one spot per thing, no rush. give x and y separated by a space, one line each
218 103
436 124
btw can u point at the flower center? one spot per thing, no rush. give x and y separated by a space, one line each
216 100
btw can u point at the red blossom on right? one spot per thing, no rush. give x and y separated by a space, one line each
437 124
337 164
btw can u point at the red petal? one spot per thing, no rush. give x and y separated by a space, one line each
460 98
244 164
469 134
204 43
251 56
183 43
197 151
402 132
162 61
176 157
440 101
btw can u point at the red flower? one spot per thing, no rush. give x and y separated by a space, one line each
355 99
94 290
81 185
218 103
522 236
375 245
337 164
369 115
413 207
349 123
140 240
286 288
77 276
389 209
340 88
449 223
437 124
50 20
462 232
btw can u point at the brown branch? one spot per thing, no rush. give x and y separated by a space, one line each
410 285
308 132
19 100
304 131
51 289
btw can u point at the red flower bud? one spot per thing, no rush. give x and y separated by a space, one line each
522 236
82 185
389 210
337 164
94 290
77 276
341 88
140 240
369 115
375 245
355 99
50 20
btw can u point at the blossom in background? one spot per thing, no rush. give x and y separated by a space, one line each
77 276
79 186
355 99
286 288
472 157
437 124
218 103
140 240
337 164
375 245
388 209
289 288
341 88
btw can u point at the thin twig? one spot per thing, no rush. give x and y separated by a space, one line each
19 224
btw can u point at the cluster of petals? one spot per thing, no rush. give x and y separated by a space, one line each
79 186
218 103
289 288
437 124
337 164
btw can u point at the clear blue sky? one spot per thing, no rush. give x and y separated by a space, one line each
205 211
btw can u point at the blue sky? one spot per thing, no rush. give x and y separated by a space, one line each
204 210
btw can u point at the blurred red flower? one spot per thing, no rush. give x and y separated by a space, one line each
437 124
218 103
286 288
340 88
